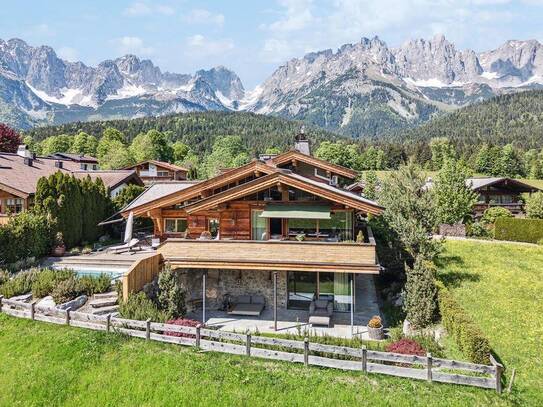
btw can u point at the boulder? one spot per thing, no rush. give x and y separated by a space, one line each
22 298
46 302
74 304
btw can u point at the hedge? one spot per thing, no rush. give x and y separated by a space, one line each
519 230
468 337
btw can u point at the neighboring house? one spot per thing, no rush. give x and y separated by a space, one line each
86 163
152 171
288 214
504 192
20 172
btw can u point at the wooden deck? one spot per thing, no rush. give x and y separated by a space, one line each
271 255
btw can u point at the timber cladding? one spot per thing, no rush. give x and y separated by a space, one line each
271 255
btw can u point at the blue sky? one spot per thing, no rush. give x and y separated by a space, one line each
254 37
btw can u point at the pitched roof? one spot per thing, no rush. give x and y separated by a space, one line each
17 175
317 162
196 189
80 158
163 164
481 182
291 179
159 190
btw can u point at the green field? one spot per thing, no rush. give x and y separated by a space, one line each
500 284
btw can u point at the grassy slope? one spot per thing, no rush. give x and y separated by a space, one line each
44 364
501 285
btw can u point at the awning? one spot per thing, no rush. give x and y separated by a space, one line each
296 211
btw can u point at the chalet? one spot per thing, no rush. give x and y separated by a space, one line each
287 216
503 192
20 172
152 171
86 163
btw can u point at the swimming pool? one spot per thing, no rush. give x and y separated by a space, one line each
113 273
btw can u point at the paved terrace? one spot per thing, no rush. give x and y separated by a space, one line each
295 321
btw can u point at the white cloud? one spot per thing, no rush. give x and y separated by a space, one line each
297 15
68 53
203 16
41 30
132 45
141 8
200 46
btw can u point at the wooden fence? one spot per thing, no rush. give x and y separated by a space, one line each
309 353
141 273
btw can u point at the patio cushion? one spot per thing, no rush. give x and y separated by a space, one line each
247 309
243 299
321 303
258 299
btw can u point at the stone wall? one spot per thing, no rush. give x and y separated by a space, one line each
458 229
223 283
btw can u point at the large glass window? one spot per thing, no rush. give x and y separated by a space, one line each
339 226
304 287
258 225
306 227
175 225
14 205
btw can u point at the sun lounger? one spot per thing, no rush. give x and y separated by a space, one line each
248 305
125 247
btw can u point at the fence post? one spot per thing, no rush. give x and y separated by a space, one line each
68 316
248 349
32 310
429 366
306 351
198 335
148 329
1 298
108 323
364 359
499 371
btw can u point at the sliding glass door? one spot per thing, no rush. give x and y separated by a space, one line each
304 287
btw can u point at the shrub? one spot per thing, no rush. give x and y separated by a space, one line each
171 295
20 284
139 307
478 229
406 346
182 322
45 281
420 293
4 276
375 322
492 214
467 335
75 251
95 285
519 230
25 235
534 205
67 290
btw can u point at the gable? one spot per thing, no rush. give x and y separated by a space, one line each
294 157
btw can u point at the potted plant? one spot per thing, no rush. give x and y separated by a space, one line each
60 248
375 328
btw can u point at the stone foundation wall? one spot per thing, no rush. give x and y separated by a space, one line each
223 283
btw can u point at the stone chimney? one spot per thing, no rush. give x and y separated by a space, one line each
301 143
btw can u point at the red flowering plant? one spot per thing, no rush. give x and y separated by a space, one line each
406 346
182 322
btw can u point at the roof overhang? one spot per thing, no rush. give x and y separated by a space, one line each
294 155
277 178
15 191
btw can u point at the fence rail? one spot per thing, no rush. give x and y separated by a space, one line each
309 353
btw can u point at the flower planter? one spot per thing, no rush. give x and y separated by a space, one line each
58 251
376 333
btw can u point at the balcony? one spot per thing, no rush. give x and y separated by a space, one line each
276 255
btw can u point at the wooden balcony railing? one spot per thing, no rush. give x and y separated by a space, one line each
271 255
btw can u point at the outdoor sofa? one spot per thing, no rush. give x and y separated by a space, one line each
320 312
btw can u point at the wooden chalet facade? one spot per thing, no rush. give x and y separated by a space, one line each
289 214
151 171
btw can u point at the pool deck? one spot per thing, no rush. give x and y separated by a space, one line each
98 260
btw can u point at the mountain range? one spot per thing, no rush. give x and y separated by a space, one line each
363 90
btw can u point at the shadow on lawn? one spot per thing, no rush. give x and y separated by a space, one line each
453 278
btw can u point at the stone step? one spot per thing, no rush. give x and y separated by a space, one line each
105 310
111 294
103 302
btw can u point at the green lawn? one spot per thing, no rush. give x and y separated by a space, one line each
501 286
